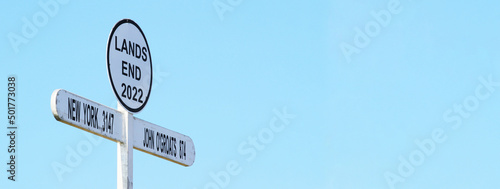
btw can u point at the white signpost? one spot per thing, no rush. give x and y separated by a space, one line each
129 68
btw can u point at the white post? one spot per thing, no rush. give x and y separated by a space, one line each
125 149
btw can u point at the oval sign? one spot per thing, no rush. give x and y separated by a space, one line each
129 65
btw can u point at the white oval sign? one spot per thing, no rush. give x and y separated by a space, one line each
129 65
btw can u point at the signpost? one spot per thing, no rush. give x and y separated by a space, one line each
129 69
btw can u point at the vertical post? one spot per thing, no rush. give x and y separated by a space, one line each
125 149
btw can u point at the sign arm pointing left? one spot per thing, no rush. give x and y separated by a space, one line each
87 115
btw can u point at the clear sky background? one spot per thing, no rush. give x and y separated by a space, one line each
420 71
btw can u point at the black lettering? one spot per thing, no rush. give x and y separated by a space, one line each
73 109
151 138
90 116
107 120
124 88
116 46
86 114
129 92
145 136
164 144
78 105
124 68
148 140
138 51
182 149
140 97
170 145
131 48
112 120
158 141
104 117
137 73
70 112
164 147
175 146
131 70
124 46
134 91
94 116
144 54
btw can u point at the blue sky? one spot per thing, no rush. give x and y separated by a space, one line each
379 94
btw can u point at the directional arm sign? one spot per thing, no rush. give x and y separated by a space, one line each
87 115
163 143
